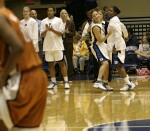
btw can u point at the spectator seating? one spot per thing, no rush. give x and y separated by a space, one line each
89 66
131 61
143 62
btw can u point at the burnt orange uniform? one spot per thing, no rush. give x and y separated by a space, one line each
27 109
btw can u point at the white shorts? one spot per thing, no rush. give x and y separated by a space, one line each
122 55
118 58
51 56
100 52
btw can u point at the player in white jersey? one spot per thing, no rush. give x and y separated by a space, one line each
117 46
99 49
31 26
52 41
52 29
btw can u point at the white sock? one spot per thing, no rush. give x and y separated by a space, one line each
127 76
66 79
99 80
105 81
126 79
53 79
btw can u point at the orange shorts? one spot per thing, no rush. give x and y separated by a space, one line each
28 108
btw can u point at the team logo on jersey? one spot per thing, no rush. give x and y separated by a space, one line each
116 62
101 59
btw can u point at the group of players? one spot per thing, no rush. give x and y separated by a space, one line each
22 92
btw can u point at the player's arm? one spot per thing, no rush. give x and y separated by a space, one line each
97 32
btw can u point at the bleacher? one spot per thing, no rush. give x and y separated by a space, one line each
140 25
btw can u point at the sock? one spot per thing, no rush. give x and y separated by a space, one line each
99 80
127 76
126 79
66 78
53 79
105 81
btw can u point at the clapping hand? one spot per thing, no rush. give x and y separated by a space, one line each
48 28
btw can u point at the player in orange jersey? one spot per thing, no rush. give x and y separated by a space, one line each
23 84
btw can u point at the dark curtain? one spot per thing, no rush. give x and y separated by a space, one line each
78 9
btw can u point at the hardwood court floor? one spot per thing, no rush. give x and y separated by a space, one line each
84 107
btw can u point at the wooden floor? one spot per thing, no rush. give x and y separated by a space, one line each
84 107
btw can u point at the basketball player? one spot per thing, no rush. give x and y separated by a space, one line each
117 46
31 25
99 50
22 81
52 29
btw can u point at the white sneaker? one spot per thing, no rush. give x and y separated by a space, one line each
128 87
67 86
107 86
98 84
52 85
